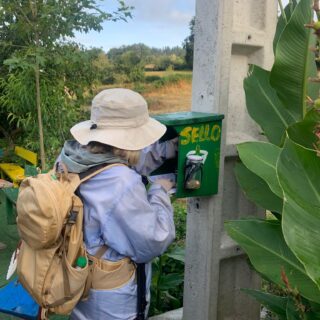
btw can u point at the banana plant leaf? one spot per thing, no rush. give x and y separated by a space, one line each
304 133
294 63
257 190
291 311
313 312
313 115
261 159
275 304
299 170
282 22
269 254
264 106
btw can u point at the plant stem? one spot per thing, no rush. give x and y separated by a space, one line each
38 102
282 11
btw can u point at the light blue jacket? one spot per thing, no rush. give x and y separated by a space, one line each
132 222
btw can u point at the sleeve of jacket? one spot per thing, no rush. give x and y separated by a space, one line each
153 156
141 224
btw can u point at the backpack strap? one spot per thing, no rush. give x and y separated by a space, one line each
141 291
84 176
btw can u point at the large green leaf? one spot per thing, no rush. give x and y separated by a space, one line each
292 312
257 190
276 304
299 170
261 159
178 253
313 115
292 67
264 106
313 310
170 281
282 22
303 133
269 254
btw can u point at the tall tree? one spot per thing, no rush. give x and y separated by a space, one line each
35 27
188 44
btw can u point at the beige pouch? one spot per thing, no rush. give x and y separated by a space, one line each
107 275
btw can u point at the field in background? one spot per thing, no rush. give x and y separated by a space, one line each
170 98
166 73
165 91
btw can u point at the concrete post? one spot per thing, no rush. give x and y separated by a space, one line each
229 35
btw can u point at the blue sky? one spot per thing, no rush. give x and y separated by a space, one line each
156 23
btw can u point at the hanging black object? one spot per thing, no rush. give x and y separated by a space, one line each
141 283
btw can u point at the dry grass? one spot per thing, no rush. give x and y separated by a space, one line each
166 73
170 98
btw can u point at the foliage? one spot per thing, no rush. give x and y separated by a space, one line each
30 37
188 44
168 269
170 79
282 175
70 72
152 58
21 20
167 281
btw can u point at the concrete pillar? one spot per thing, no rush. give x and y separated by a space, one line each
229 35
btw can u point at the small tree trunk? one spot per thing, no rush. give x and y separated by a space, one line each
33 7
38 102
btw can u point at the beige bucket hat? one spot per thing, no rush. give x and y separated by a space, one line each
119 118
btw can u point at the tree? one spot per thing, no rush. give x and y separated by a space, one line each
139 55
188 45
34 29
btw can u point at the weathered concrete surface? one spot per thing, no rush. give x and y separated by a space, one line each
172 315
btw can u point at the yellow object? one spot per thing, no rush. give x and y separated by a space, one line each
13 171
26 155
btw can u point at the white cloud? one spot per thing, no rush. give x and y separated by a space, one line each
156 23
175 12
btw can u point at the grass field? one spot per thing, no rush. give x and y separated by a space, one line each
166 73
171 98
170 95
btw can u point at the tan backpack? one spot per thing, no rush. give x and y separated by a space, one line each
50 218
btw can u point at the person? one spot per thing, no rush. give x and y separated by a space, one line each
119 212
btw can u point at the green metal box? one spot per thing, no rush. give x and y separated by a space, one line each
199 134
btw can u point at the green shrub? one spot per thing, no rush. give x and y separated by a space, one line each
168 269
149 79
139 87
171 79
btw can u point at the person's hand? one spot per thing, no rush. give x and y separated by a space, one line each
166 183
175 142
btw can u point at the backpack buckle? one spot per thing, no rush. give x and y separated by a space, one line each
72 217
